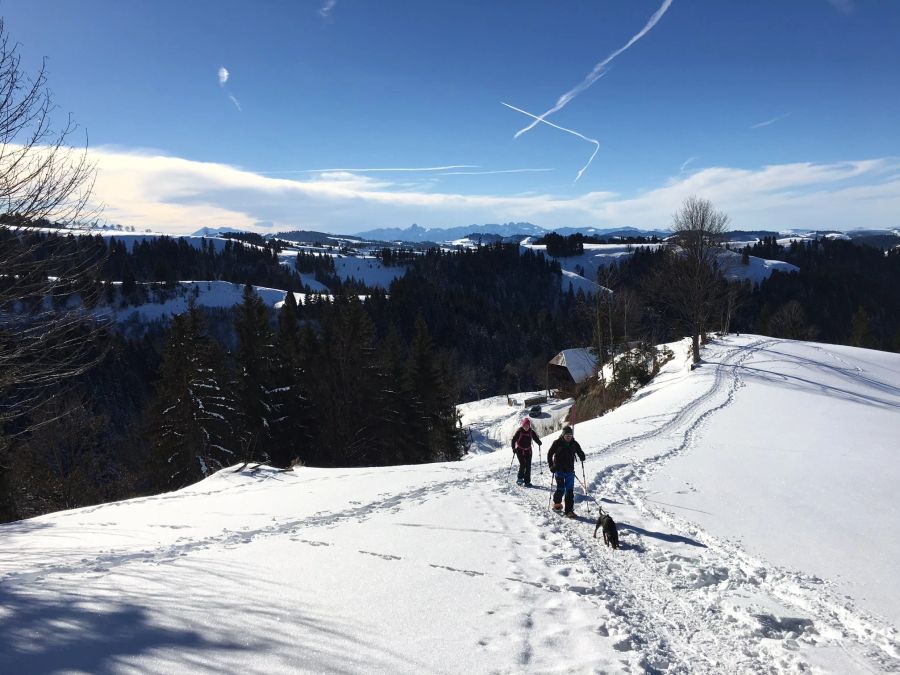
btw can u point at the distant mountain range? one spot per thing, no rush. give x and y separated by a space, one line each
417 233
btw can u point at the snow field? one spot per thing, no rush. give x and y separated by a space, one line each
734 556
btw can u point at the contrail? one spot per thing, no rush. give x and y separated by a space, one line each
760 125
384 169
598 71
569 131
487 173
686 162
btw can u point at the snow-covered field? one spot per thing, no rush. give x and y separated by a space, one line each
367 269
755 270
212 294
755 503
600 256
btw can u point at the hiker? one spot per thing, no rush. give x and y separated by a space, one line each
521 446
561 460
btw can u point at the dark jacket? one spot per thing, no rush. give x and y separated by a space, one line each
521 440
561 456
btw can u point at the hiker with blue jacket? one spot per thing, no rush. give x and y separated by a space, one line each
561 460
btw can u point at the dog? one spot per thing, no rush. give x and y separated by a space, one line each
610 533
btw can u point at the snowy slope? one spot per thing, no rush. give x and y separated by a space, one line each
594 258
213 294
754 497
755 271
368 269
599 256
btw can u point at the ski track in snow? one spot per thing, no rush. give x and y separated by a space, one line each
676 607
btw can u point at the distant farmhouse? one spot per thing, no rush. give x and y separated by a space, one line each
571 367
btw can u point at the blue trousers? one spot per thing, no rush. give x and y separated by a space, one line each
565 483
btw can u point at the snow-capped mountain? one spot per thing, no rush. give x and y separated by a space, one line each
417 233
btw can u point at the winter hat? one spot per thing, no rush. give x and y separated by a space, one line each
526 422
567 430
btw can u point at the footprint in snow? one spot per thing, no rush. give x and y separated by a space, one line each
383 556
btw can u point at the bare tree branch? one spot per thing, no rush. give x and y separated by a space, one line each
46 277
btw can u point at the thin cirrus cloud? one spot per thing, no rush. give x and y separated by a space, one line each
175 195
224 75
598 71
766 123
325 10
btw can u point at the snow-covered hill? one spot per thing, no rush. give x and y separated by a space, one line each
212 294
600 256
755 497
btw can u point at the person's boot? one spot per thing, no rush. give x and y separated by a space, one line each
557 506
569 514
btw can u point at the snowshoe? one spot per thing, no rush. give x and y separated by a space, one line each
519 481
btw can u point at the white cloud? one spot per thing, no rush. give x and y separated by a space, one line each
325 10
178 195
223 76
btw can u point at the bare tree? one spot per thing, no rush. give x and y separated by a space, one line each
628 303
691 281
45 182
608 278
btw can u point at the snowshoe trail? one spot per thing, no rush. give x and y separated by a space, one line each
683 601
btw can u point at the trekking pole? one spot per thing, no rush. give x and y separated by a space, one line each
509 470
586 494
584 486
541 463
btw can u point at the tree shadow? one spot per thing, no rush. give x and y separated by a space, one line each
44 633
23 527
196 615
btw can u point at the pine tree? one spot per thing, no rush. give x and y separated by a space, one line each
189 418
392 431
254 384
433 420
860 329
294 413
346 386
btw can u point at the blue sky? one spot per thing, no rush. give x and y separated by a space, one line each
784 113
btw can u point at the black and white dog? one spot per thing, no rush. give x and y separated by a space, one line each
610 533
